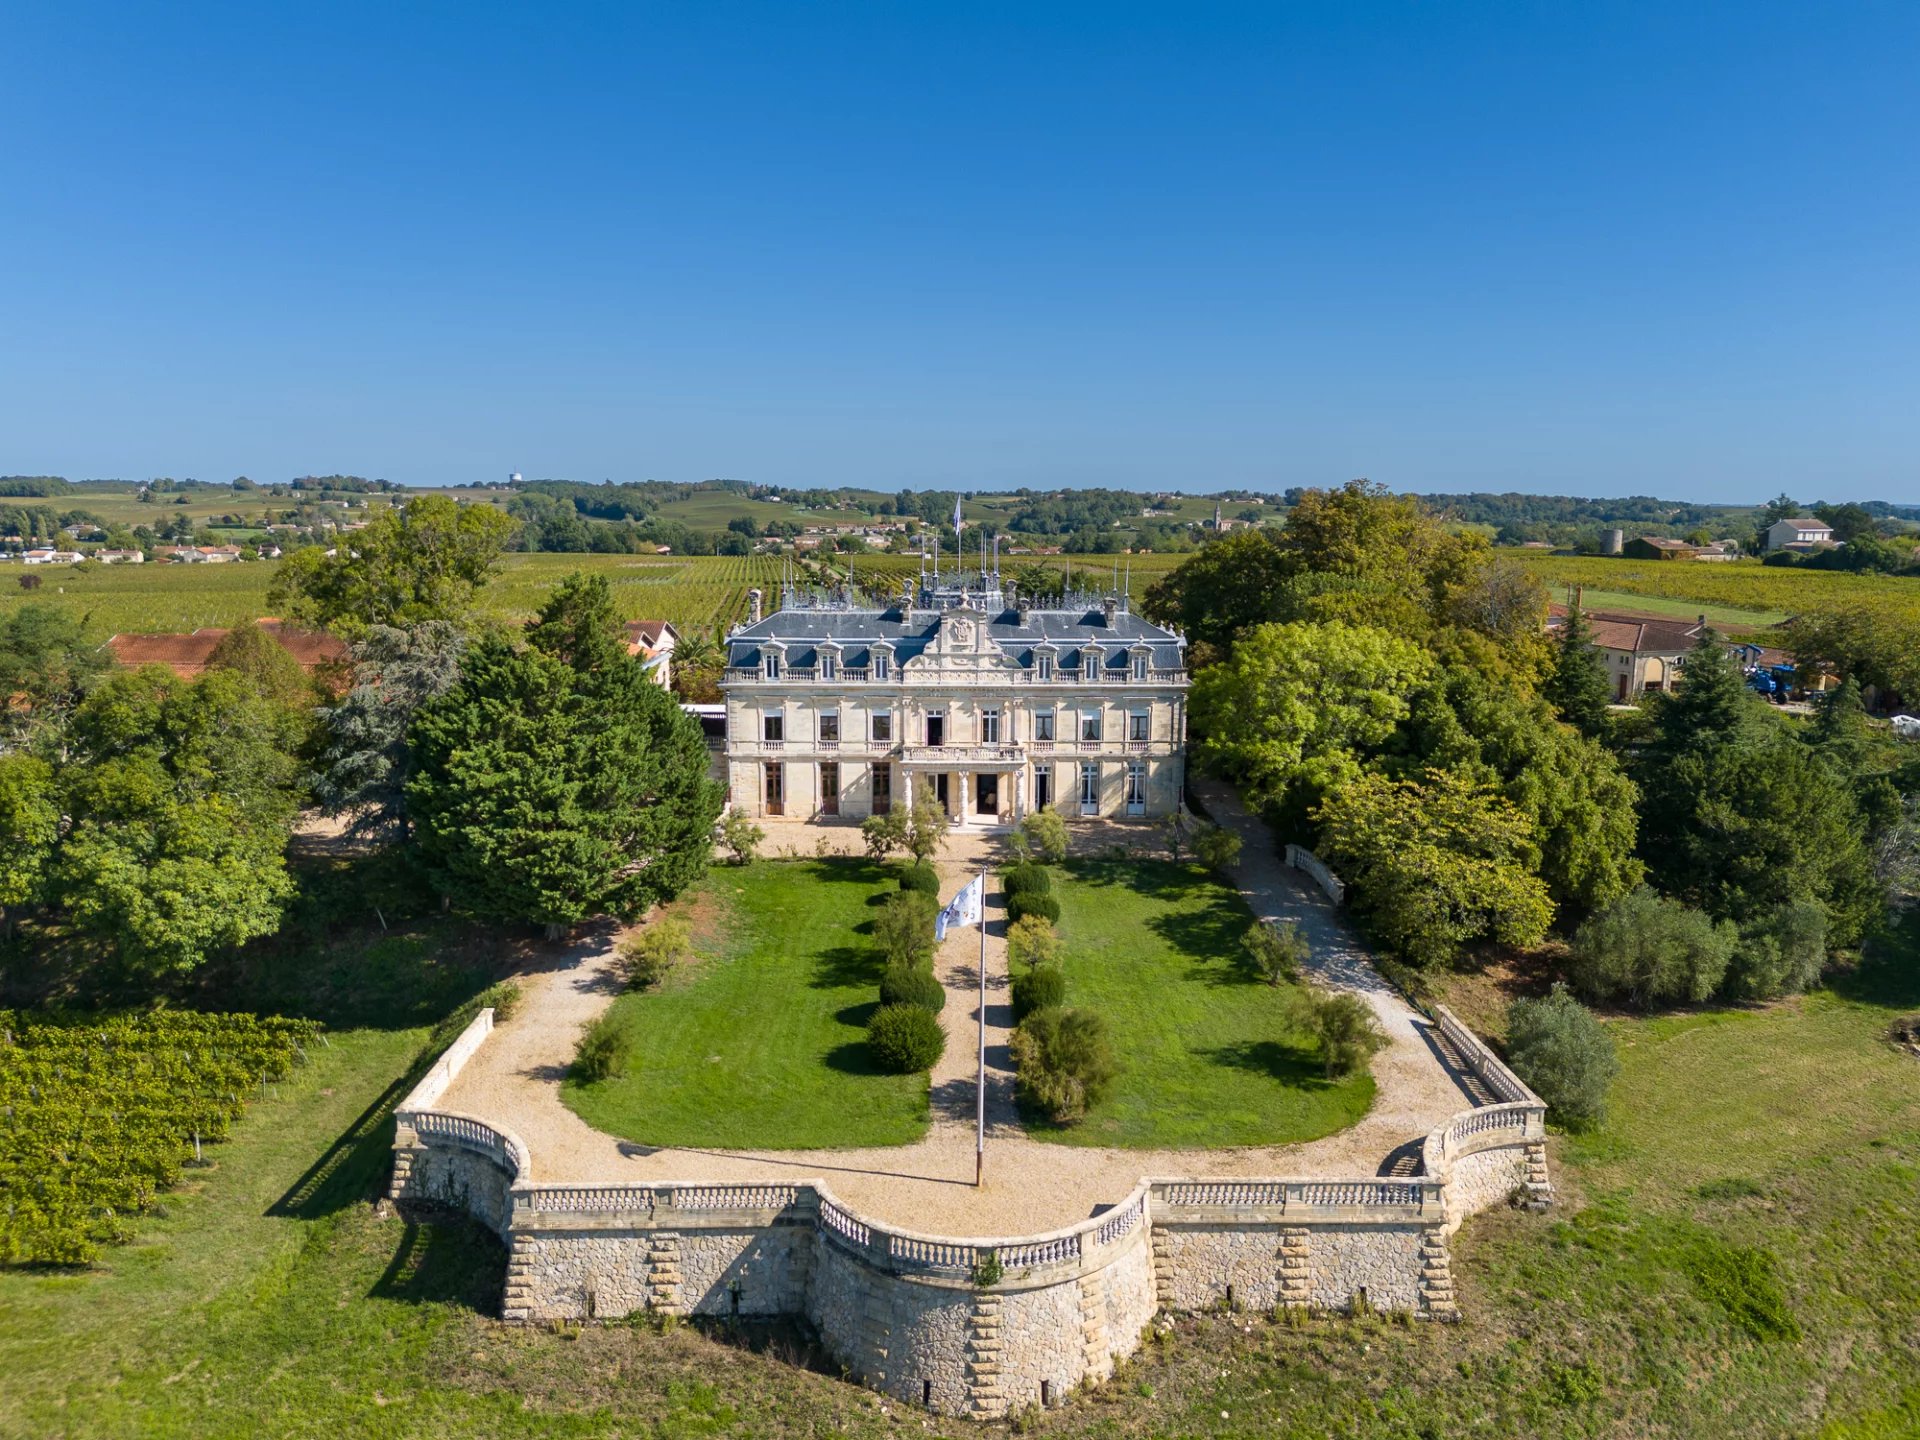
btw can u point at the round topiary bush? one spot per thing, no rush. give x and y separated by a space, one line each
1040 988
905 1038
922 878
1022 905
1026 879
1064 1062
913 985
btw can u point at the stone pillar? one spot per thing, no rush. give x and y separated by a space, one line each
1539 1186
1296 1271
986 1395
1436 1275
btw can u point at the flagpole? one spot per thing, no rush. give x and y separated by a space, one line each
980 1090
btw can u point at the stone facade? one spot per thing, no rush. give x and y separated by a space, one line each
979 1327
1001 707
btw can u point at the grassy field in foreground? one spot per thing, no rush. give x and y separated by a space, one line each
1732 1255
1212 1056
762 1042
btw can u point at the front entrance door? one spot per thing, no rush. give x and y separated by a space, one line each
987 795
940 792
1042 786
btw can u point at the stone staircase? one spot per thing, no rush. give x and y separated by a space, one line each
1162 1269
1296 1278
1539 1183
1436 1276
663 1273
986 1394
517 1303
1095 1349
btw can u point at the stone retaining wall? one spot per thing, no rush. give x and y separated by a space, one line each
1331 885
979 1326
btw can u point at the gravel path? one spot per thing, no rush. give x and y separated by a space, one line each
1030 1186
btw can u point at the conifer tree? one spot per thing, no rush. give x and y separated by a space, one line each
1577 684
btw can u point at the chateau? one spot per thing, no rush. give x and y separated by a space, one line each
1003 705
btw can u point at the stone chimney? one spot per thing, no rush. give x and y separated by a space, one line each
754 599
1110 607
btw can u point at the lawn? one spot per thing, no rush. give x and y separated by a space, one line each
761 1043
1212 1056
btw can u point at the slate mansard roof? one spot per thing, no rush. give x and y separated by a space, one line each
803 631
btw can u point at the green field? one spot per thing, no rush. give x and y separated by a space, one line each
694 592
1740 587
761 1044
1212 1056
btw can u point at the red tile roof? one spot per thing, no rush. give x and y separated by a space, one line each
186 655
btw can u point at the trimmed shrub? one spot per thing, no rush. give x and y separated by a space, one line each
1021 906
604 1051
1026 879
913 985
646 958
905 1038
1065 1062
1564 1054
904 927
1041 988
1217 848
1647 949
1032 940
921 878
1345 1026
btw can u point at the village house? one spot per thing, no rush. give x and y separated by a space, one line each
1001 705
1641 652
121 557
654 641
1801 533
1656 547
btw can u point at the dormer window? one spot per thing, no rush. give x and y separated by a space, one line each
881 659
770 664
829 663
1043 664
1140 664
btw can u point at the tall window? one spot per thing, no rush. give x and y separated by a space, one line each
1137 725
882 727
937 728
829 663
877 664
1043 664
829 727
770 664
989 727
1139 666
776 780
830 788
1043 724
1136 788
1090 725
773 725
1089 788
882 789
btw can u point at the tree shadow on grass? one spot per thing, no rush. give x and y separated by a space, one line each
444 1258
854 1057
843 967
846 870
1293 1065
1889 969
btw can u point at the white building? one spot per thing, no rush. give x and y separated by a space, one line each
1803 530
1000 705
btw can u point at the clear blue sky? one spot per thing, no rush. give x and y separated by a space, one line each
1577 248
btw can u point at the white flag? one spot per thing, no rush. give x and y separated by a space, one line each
963 909
956 519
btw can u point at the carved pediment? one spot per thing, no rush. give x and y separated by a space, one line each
961 646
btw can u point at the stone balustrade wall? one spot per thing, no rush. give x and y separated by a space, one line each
979 1326
1331 885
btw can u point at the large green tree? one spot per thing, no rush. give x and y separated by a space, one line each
163 878
426 561
1292 712
364 763
1436 863
47 664
29 828
556 781
1234 584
